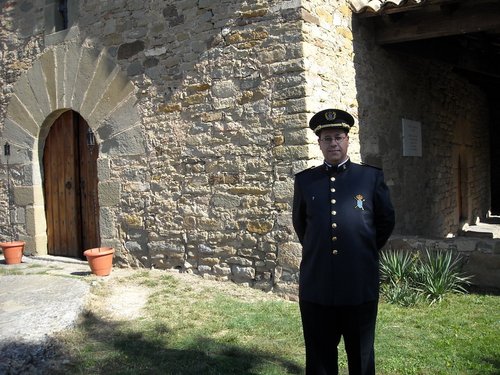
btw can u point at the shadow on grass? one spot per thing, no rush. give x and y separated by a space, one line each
482 291
116 348
21 357
495 364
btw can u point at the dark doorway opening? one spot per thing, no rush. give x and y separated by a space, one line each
495 153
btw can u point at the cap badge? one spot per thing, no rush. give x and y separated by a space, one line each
359 202
330 115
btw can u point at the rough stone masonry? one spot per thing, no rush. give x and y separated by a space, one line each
200 111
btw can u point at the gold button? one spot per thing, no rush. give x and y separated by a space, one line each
334 213
333 201
334 238
335 252
334 225
332 178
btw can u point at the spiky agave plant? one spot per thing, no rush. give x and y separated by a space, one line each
396 266
397 275
439 274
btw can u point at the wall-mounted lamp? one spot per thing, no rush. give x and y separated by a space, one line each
90 139
6 149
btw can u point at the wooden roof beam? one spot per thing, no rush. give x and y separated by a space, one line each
411 26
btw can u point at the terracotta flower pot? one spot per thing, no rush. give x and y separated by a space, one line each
100 260
13 251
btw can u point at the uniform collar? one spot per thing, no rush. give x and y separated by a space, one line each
337 168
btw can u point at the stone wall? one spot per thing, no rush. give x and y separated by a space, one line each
217 86
454 117
329 58
200 109
477 257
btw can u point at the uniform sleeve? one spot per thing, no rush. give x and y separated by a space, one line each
384 212
298 212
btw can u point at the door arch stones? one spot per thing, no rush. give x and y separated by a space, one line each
68 76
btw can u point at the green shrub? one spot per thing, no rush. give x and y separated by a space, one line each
401 293
438 274
397 266
407 278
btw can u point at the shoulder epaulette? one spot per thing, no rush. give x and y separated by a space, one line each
305 170
371 166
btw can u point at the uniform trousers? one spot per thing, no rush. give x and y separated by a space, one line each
323 326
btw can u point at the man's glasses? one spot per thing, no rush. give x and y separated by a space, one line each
329 140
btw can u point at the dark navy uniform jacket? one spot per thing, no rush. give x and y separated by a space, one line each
342 216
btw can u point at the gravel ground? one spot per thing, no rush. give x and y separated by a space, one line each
32 308
39 298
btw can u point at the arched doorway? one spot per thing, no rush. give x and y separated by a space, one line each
70 187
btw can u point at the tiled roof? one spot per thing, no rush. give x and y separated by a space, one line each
375 5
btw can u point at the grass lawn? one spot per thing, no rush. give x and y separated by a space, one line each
461 335
188 330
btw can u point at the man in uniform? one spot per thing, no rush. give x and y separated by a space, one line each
343 216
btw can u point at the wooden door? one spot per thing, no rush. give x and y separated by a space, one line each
70 188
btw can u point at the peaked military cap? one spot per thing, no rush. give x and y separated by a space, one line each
331 118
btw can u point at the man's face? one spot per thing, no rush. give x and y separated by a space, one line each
333 144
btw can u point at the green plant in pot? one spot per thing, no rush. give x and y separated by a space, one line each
12 250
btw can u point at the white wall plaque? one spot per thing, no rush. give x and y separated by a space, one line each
412 138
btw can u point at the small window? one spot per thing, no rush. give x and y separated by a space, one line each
61 16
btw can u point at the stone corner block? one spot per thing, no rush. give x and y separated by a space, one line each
23 195
109 193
